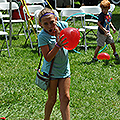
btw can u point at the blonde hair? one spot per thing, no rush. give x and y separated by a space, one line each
44 11
105 4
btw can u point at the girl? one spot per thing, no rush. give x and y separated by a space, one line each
52 47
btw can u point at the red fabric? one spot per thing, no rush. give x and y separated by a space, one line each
15 14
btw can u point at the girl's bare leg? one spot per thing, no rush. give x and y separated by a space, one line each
64 95
52 95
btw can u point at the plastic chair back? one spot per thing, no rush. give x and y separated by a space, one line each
69 11
6 6
91 9
34 1
3 1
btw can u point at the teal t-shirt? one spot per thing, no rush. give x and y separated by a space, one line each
61 67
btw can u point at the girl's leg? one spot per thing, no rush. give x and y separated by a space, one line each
52 95
64 95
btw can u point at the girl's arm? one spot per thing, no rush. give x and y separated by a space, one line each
49 55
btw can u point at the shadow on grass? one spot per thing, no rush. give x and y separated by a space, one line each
91 46
88 63
118 93
118 41
117 62
34 50
105 62
13 37
91 38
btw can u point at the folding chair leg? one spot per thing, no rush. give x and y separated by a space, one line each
22 27
83 36
94 33
85 44
24 32
7 46
19 31
29 39
31 42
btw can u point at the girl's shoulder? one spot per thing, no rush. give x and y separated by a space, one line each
43 34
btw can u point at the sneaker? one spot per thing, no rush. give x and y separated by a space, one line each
116 56
94 59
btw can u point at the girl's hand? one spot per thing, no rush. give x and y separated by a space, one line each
60 42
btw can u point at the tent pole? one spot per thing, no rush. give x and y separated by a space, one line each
55 4
10 32
73 3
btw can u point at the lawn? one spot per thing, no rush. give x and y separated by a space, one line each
95 87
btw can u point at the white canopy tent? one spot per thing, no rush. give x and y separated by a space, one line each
56 3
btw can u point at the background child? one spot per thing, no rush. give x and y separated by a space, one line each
103 34
52 47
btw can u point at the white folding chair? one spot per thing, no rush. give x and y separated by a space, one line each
35 2
95 10
72 14
91 12
5 6
31 9
4 15
112 7
66 12
3 1
5 34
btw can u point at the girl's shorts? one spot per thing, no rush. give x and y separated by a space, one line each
101 39
51 78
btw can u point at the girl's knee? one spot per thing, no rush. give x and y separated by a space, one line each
52 99
65 98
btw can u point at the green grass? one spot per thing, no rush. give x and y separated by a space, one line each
94 96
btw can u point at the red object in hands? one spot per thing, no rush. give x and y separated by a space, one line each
3 118
73 37
103 56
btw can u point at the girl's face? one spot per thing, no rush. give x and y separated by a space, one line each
48 22
105 10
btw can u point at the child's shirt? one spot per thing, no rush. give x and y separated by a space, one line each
61 68
105 21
